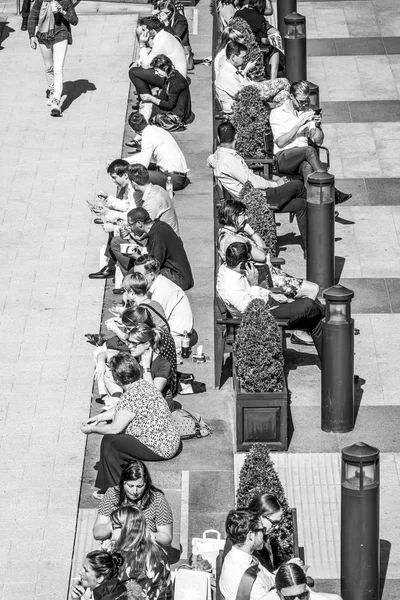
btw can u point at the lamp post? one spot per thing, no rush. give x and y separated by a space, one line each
284 7
337 377
295 47
321 229
359 545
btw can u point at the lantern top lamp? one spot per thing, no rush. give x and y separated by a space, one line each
320 188
338 299
360 467
295 25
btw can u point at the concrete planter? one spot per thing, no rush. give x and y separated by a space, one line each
260 417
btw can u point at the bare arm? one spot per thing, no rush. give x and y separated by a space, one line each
164 534
102 528
286 138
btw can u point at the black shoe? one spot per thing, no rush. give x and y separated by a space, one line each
296 340
96 339
98 221
134 144
341 197
24 24
118 291
104 273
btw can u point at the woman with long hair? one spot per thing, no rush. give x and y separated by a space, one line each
49 24
136 489
98 569
144 560
270 511
175 22
291 583
229 34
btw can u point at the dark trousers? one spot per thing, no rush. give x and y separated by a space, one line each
179 181
177 278
144 80
290 161
305 314
291 197
115 452
125 262
25 9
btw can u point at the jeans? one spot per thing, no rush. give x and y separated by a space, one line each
26 8
177 278
305 314
53 59
144 80
304 160
291 197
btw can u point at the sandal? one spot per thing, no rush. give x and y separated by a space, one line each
96 339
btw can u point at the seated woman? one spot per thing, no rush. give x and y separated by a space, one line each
226 10
176 23
227 35
98 569
137 490
174 97
136 293
144 560
139 427
291 582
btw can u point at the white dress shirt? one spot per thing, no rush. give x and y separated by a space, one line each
236 292
160 147
219 60
121 204
175 304
165 43
159 205
282 119
228 83
231 170
235 564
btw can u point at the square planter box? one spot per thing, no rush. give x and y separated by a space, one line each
260 417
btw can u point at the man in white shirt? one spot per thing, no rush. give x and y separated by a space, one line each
232 172
293 124
241 570
237 285
153 198
172 298
159 147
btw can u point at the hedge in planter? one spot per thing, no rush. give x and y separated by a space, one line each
260 216
251 120
253 49
258 476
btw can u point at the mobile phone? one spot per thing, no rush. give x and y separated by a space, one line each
244 265
318 112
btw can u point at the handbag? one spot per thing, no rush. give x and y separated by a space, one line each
168 121
190 425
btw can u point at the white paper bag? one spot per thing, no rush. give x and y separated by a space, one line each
193 585
208 547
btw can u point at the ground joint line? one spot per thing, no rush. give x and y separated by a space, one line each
184 514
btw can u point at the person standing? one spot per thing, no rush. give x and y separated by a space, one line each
49 24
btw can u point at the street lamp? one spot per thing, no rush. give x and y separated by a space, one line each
284 7
359 547
295 47
337 365
321 229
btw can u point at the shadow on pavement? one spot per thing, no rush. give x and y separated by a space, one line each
384 547
5 31
74 89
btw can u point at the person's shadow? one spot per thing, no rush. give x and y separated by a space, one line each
5 31
74 89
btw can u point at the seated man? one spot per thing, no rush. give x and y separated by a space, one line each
241 571
293 124
230 80
237 285
161 242
154 40
171 297
153 198
231 170
159 147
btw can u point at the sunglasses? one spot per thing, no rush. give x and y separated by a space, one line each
115 526
273 523
302 596
133 345
263 529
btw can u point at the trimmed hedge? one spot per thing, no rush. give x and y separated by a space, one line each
253 49
260 216
251 120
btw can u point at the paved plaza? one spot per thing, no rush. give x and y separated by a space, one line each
50 167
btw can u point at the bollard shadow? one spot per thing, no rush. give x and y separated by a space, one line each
73 89
385 548
358 394
295 359
226 370
343 221
339 266
289 239
5 31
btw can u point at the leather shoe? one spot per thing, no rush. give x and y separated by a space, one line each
133 144
341 197
98 221
24 24
118 291
296 340
104 273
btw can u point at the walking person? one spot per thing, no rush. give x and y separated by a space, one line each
49 24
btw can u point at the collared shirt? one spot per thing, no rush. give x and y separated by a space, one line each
228 83
165 43
175 304
160 147
159 205
235 564
282 120
124 201
236 292
231 170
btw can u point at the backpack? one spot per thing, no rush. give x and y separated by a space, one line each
190 425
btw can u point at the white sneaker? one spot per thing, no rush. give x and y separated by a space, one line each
49 96
55 108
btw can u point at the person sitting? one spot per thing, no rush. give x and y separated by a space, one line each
159 147
153 198
291 583
293 124
231 80
161 242
170 296
232 172
137 293
241 570
139 427
226 10
98 570
228 34
174 97
144 560
237 285
175 22
135 489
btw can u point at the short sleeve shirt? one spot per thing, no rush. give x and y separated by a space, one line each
282 120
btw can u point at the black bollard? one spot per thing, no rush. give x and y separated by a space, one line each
284 8
295 42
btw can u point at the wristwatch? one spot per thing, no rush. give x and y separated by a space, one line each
147 370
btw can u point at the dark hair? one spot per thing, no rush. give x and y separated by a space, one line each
288 575
151 22
136 469
134 315
138 174
299 87
258 5
226 132
105 564
151 264
139 214
119 166
124 368
239 523
229 211
265 504
235 254
234 49
137 121
135 282
164 63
